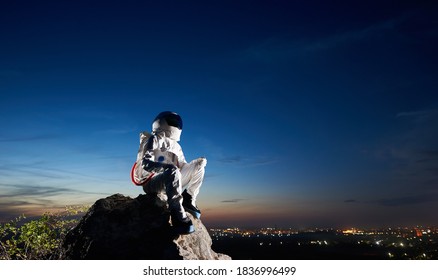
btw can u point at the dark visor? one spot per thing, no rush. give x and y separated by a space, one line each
171 118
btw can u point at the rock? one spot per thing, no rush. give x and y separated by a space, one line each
123 228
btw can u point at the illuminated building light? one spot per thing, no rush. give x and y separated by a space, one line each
353 231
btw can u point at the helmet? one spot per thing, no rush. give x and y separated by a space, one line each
170 123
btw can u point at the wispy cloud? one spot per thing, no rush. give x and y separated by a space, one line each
409 200
24 190
17 199
427 156
241 161
400 201
12 209
419 116
262 161
116 131
26 138
230 159
209 175
43 169
410 151
235 200
279 49
413 114
218 154
89 113
367 32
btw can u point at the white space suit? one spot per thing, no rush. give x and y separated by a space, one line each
165 170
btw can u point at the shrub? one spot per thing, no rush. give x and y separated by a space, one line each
37 239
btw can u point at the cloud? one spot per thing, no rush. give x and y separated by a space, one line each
410 153
10 210
428 156
231 159
365 33
212 175
400 201
413 114
430 153
14 170
279 49
26 138
236 200
218 154
420 116
116 131
263 161
41 203
247 161
415 138
433 170
89 113
33 200
409 200
43 169
22 190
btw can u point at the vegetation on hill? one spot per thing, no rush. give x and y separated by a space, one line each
37 239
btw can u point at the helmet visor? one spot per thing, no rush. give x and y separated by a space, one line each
174 120
171 118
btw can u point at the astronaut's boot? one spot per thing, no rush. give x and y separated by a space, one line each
182 225
188 205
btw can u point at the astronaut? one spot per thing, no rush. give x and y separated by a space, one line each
165 170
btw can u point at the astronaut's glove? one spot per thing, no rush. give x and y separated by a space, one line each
202 161
156 167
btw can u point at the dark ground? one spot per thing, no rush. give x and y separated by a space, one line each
325 246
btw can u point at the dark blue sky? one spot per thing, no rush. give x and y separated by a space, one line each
311 113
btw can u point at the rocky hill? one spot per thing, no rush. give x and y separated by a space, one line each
123 228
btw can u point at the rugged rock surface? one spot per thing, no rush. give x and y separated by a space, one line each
123 228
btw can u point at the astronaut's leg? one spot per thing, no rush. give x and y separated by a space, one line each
170 182
155 186
192 176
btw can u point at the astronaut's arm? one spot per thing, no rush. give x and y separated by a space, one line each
180 156
149 163
155 167
202 161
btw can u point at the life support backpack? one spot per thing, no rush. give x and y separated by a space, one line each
139 176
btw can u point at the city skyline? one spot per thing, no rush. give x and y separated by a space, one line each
310 114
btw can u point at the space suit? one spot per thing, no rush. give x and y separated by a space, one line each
164 170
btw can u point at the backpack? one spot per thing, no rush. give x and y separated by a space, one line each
139 176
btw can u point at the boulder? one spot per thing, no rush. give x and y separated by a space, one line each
123 228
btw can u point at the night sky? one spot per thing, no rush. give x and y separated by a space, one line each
310 113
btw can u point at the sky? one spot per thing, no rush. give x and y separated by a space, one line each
310 113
